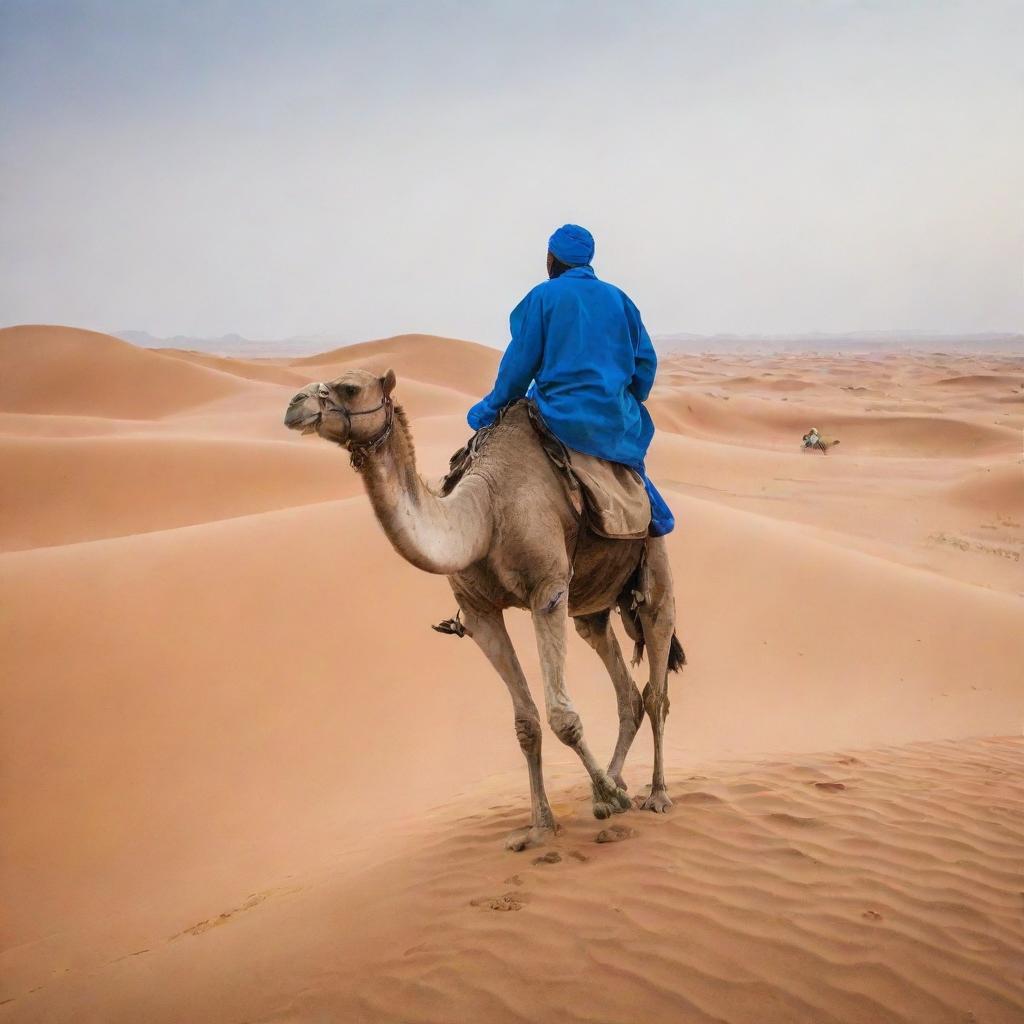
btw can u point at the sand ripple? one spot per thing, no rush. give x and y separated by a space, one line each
898 897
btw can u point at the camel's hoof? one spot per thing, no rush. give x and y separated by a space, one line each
609 799
658 802
527 838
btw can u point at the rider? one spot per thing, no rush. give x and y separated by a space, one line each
591 362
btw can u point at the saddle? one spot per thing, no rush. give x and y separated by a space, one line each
609 496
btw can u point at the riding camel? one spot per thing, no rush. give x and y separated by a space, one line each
508 536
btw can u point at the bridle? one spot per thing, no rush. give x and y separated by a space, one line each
360 451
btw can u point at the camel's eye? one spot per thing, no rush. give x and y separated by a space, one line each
351 390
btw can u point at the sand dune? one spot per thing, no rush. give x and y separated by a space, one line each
247 369
998 491
244 780
752 423
796 890
766 382
463 365
98 376
858 886
16 424
65 491
982 380
930 436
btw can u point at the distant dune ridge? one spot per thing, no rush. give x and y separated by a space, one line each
99 376
985 342
243 780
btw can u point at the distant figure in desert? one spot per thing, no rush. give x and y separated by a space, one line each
813 440
531 517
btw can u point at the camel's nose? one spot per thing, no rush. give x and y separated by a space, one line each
302 413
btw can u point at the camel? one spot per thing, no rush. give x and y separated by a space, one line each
507 536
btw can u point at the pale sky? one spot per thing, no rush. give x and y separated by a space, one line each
375 168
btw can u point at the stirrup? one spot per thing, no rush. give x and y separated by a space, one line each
453 627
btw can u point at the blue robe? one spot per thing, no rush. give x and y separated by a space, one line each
582 344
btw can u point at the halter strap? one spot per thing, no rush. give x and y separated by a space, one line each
360 451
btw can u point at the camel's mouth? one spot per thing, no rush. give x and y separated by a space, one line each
308 414
303 413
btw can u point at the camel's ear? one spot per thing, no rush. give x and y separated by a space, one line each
388 382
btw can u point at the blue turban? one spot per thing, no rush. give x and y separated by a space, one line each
572 244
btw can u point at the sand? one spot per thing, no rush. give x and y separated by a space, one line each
244 781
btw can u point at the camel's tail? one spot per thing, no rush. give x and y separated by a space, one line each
676 654
635 631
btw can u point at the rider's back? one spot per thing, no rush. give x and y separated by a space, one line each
584 385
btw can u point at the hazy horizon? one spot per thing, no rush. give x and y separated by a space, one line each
235 343
364 170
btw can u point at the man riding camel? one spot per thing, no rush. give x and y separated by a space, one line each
813 440
580 350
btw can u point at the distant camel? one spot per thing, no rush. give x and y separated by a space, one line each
812 439
506 537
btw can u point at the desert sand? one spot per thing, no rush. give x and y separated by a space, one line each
243 780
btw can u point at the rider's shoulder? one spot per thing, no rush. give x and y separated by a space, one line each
627 303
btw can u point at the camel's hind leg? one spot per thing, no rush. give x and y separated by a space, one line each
549 622
488 630
657 617
597 631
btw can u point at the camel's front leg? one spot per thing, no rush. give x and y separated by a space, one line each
488 630
550 617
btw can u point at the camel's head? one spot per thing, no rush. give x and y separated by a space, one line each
351 408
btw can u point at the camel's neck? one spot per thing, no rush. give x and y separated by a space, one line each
441 535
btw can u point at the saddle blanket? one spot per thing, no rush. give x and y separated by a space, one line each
610 496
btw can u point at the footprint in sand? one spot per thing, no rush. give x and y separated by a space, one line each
551 857
581 857
871 915
254 900
830 787
615 834
127 956
507 901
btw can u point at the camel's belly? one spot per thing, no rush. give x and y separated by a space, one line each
601 569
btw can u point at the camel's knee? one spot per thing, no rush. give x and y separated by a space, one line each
554 598
656 702
550 595
528 733
566 725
